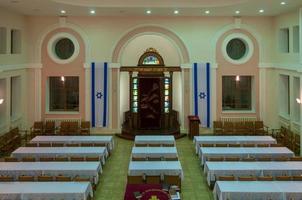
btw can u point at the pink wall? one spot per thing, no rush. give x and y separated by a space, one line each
250 68
75 68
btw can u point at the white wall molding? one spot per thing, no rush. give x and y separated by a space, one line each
282 66
20 66
186 65
115 65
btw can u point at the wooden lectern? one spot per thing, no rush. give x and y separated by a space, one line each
193 126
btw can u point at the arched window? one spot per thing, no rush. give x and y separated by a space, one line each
151 57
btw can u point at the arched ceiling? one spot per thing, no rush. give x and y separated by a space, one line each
158 7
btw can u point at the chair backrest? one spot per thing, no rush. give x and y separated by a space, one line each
73 145
265 178
31 145
28 159
61 159
87 144
248 145
283 178
262 145
57 144
281 158
226 178
46 159
38 125
138 159
234 145
77 159
153 179
297 158
135 179
92 159
247 178
141 145
276 145
45 178
85 124
172 180
154 158
168 145
6 179
264 159
217 124
81 179
63 178
248 159
10 159
99 145
171 159
154 145
297 178
230 159
215 159
259 125
207 145
26 178
44 145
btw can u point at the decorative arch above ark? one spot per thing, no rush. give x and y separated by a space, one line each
151 57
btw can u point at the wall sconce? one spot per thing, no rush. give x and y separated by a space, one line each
62 78
298 100
1 101
237 78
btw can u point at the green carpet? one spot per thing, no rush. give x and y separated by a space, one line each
113 180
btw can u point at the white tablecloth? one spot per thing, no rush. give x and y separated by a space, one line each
144 152
154 139
45 190
38 152
155 168
72 169
216 169
232 140
262 190
75 139
243 152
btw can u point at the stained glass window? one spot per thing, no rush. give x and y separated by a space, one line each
151 60
167 102
135 95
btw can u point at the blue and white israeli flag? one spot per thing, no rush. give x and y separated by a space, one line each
201 91
99 94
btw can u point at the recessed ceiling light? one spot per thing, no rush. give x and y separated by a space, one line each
261 11
283 3
207 12
92 12
148 12
176 12
237 12
63 12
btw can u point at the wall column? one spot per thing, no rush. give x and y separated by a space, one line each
38 92
87 91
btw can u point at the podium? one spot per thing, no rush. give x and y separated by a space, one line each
193 126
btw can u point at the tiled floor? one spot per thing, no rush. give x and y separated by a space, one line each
113 180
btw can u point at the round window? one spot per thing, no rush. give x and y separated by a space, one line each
64 48
236 49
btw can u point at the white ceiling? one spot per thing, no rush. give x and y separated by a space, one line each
158 7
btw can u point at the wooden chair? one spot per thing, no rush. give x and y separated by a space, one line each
234 145
249 127
240 128
226 178
247 178
221 145
264 159
44 145
215 159
46 159
10 159
153 180
44 178
63 178
171 159
172 180
297 144
281 158
154 158
85 128
232 159
296 158
265 178
135 179
57 144
6 179
276 145
262 145
36 129
92 159
228 128
207 145
28 159
73 128
138 159
168 145
260 128
283 178
31 145
248 159
217 127
248 145
49 128
24 178
141 145
87 144
297 178
64 128
72 145
61 159
154 145
77 159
